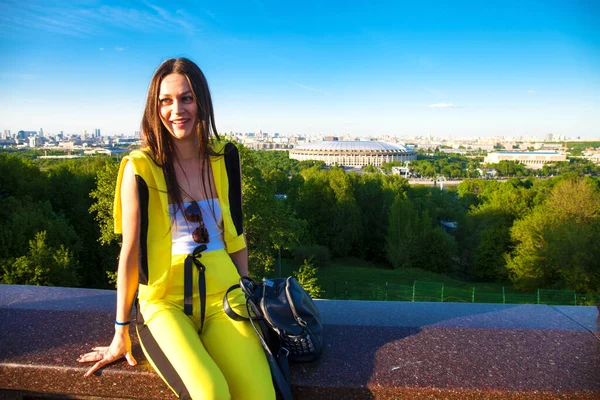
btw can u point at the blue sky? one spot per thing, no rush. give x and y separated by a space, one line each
313 67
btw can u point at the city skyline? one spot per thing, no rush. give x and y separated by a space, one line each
461 70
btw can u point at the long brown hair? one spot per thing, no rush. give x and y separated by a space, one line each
157 139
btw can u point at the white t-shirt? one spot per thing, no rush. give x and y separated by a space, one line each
183 242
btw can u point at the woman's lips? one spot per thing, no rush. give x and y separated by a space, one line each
179 122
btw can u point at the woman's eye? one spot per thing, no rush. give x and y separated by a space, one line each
164 102
188 99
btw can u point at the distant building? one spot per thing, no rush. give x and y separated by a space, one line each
530 159
68 145
267 146
127 141
455 151
110 151
487 172
549 146
404 171
25 134
281 140
66 156
352 153
592 155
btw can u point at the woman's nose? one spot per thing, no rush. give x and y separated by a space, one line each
177 107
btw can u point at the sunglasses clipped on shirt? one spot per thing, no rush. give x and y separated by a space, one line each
193 213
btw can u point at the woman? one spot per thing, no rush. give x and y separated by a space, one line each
178 207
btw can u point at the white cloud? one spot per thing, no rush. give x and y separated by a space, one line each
531 91
101 48
180 18
442 105
310 89
119 48
93 20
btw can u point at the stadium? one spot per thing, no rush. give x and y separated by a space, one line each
353 153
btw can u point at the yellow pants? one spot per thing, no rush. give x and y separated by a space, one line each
226 360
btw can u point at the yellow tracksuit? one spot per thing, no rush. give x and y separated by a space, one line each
226 359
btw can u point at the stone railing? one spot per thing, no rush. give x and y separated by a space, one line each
375 350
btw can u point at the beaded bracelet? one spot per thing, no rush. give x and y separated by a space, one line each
122 323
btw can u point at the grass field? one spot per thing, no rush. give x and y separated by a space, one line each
351 278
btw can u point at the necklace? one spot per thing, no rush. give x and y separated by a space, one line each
194 157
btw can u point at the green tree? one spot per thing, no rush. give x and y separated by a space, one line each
104 196
387 166
269 223
472 167
502 204
556 244
345 216
440 204
28 206
69 187
369 169
306 277
374 194
403 233
437 250
43 265
23 218
315 203
510 168
394 185
19 177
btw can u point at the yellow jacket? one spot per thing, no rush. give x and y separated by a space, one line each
155 221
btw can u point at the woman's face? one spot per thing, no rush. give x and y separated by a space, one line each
177 106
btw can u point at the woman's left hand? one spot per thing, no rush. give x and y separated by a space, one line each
119 348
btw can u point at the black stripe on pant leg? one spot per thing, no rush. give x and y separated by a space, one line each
162 362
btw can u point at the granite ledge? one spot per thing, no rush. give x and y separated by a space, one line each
375 350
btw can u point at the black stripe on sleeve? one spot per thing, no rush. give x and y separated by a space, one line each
143 196
232 165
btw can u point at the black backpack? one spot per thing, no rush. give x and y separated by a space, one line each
287 322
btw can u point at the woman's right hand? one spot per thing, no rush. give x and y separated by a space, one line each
120 347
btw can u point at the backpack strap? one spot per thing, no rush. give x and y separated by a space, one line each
227 307
247 285
278 364
280 370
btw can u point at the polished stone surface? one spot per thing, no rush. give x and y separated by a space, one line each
586 317
54 298
458 315
375 350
